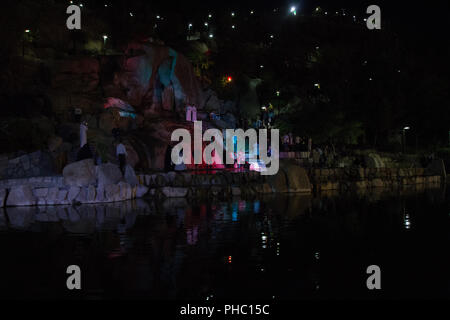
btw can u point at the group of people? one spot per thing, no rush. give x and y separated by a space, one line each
86 150
265 119
297 144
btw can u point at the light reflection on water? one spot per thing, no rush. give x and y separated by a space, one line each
288 247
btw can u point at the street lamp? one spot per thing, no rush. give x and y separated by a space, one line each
294 10
404 137
105 37
23 42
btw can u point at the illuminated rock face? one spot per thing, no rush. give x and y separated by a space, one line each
158 78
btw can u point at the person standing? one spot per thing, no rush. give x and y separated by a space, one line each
83 133
121 153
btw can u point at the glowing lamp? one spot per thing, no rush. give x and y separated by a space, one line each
406 128
27 31
229 79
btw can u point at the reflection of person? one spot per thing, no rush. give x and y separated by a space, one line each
121 153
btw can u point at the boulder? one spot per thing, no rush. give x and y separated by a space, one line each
141 191
174 192
21 196
73 193
374 160
297 179
130 176
278 182
80 174
112 192
41 192
125 191
108 173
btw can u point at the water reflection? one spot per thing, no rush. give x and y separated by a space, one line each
282 246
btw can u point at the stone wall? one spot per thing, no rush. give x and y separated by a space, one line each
82 182
359 178
28 165
224 184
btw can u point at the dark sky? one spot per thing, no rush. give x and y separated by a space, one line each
411 16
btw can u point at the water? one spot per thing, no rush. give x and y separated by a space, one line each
272 248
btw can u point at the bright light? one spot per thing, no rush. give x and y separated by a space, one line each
278 93
211 35
229 79
232 14
206 24
27 31
251 12
210 16
261 66
105 37
81 5
157 17
233 26
406 128
271 36
131 14
293 8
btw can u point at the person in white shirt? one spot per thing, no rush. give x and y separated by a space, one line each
83 133
121 153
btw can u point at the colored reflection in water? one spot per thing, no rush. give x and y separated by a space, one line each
288 247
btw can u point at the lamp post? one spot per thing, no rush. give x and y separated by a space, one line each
404 138
27 31
105 37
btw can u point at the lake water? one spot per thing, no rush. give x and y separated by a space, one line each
275 247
